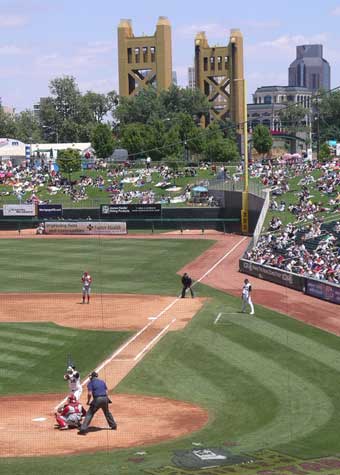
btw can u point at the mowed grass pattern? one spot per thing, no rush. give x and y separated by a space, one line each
33 357
267 381
118 265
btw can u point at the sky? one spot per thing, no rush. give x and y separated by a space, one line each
44 39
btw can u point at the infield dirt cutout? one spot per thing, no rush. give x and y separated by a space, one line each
141 419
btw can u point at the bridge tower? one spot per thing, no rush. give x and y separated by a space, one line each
144 60
219 75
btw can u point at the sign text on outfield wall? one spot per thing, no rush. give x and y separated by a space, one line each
130 211
19 210
84 227
50 211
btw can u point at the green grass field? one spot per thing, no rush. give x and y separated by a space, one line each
268 382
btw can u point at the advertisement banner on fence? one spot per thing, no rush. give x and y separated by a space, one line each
50 211
272 274
323 291
131 211
19 210
84 227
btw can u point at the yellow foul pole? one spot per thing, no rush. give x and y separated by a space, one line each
245 201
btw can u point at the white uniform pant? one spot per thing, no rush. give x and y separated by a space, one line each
77 393
247 301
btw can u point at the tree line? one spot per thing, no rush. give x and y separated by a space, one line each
165 125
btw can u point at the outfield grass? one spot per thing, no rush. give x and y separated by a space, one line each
267 381
117 265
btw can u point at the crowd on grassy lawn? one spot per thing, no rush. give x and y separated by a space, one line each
27 181
275 176
284 246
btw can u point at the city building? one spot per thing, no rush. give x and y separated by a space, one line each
269 100
219 75
310 69
37 107
174 78
144 60
7 109
191 77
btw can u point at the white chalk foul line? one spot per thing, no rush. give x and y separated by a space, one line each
220 260
154 340
161 313
217 318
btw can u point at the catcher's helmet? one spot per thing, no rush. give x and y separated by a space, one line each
72 398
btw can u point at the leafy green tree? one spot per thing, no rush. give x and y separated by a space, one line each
262 139
102 140
217 148
28 127
196 140
293 118
69 160
141 108
66 96
173 145
147 106
189 101
69 131
97 105
8 127
325 152
327 119
49 120
133 138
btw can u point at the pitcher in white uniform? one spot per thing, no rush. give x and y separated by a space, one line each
246 297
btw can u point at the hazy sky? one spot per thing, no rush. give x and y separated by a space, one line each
40 40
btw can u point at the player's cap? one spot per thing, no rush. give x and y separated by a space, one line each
69 369
94 375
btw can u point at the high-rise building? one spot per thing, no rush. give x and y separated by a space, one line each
310 69
37 106
191 77
144 60
174 78
219 75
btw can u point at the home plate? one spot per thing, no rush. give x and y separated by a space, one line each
39 419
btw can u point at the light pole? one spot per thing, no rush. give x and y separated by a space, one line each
245 196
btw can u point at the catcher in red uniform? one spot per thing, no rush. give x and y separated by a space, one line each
70 415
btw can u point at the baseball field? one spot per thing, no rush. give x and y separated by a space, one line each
196 386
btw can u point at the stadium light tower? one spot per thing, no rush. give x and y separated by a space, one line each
245 195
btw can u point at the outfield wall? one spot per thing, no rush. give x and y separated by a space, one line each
315 288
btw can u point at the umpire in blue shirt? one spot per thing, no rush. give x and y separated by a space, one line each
97 391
